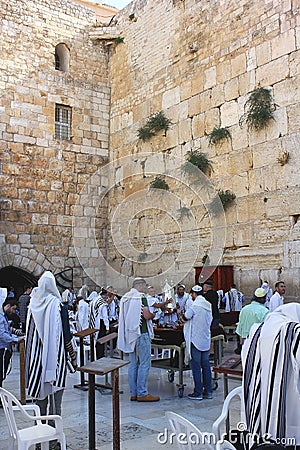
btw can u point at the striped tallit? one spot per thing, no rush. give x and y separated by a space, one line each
271 381
34 364
95 307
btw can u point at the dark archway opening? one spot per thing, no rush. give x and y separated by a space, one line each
17 278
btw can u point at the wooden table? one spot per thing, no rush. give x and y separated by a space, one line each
82 334
104 366
231 369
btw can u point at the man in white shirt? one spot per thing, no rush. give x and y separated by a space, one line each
199 314
277 298
134 337
181 298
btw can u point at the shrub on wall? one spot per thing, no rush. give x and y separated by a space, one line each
218 135
259 109
154 124
225 197
197 159
159 183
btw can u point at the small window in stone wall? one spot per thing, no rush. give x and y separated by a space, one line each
62 57
63 116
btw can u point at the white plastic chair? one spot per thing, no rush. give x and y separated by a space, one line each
38 433
192 438
225 445
216 428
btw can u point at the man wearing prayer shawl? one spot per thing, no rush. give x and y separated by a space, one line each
48 339
134 337
271 380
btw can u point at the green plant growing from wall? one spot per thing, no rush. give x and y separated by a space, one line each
225 197
184 212
259 109
218 135
159 183
119 39
195 158
142 256
154 124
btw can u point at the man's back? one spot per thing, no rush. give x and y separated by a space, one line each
250 314
23 303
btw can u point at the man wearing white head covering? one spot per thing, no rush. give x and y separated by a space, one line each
271 382
48 339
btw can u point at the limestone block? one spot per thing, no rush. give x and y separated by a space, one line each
242 235
265 155
211 119
24 139
283 44
229 114
185 90
197 83
217 96
297 31
171 97
240 184
194 105
273 72
263 53
210 77
251 59
185 131
179 112
239 137
238 65
293 112
223 71
287 92
257 136
231 89
247 82
279 126
198 126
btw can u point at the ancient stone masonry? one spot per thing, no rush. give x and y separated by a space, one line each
41 176
197 62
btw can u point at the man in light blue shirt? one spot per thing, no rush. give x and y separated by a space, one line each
197 335
6 337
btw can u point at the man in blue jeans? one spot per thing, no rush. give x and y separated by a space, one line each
198 319
134 337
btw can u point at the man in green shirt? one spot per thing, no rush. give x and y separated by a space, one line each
250 314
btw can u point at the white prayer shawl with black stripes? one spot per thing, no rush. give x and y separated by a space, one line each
45 359
96 306
271 381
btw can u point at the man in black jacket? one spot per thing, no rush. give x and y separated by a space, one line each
212 297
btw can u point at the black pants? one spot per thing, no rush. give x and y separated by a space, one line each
5 356
100 347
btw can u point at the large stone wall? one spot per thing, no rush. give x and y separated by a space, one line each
41 177
197 61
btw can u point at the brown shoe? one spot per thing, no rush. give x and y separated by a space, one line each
133 398
148 398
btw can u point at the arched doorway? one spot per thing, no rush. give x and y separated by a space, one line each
16 277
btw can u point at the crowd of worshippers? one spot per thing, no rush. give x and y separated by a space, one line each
268 330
